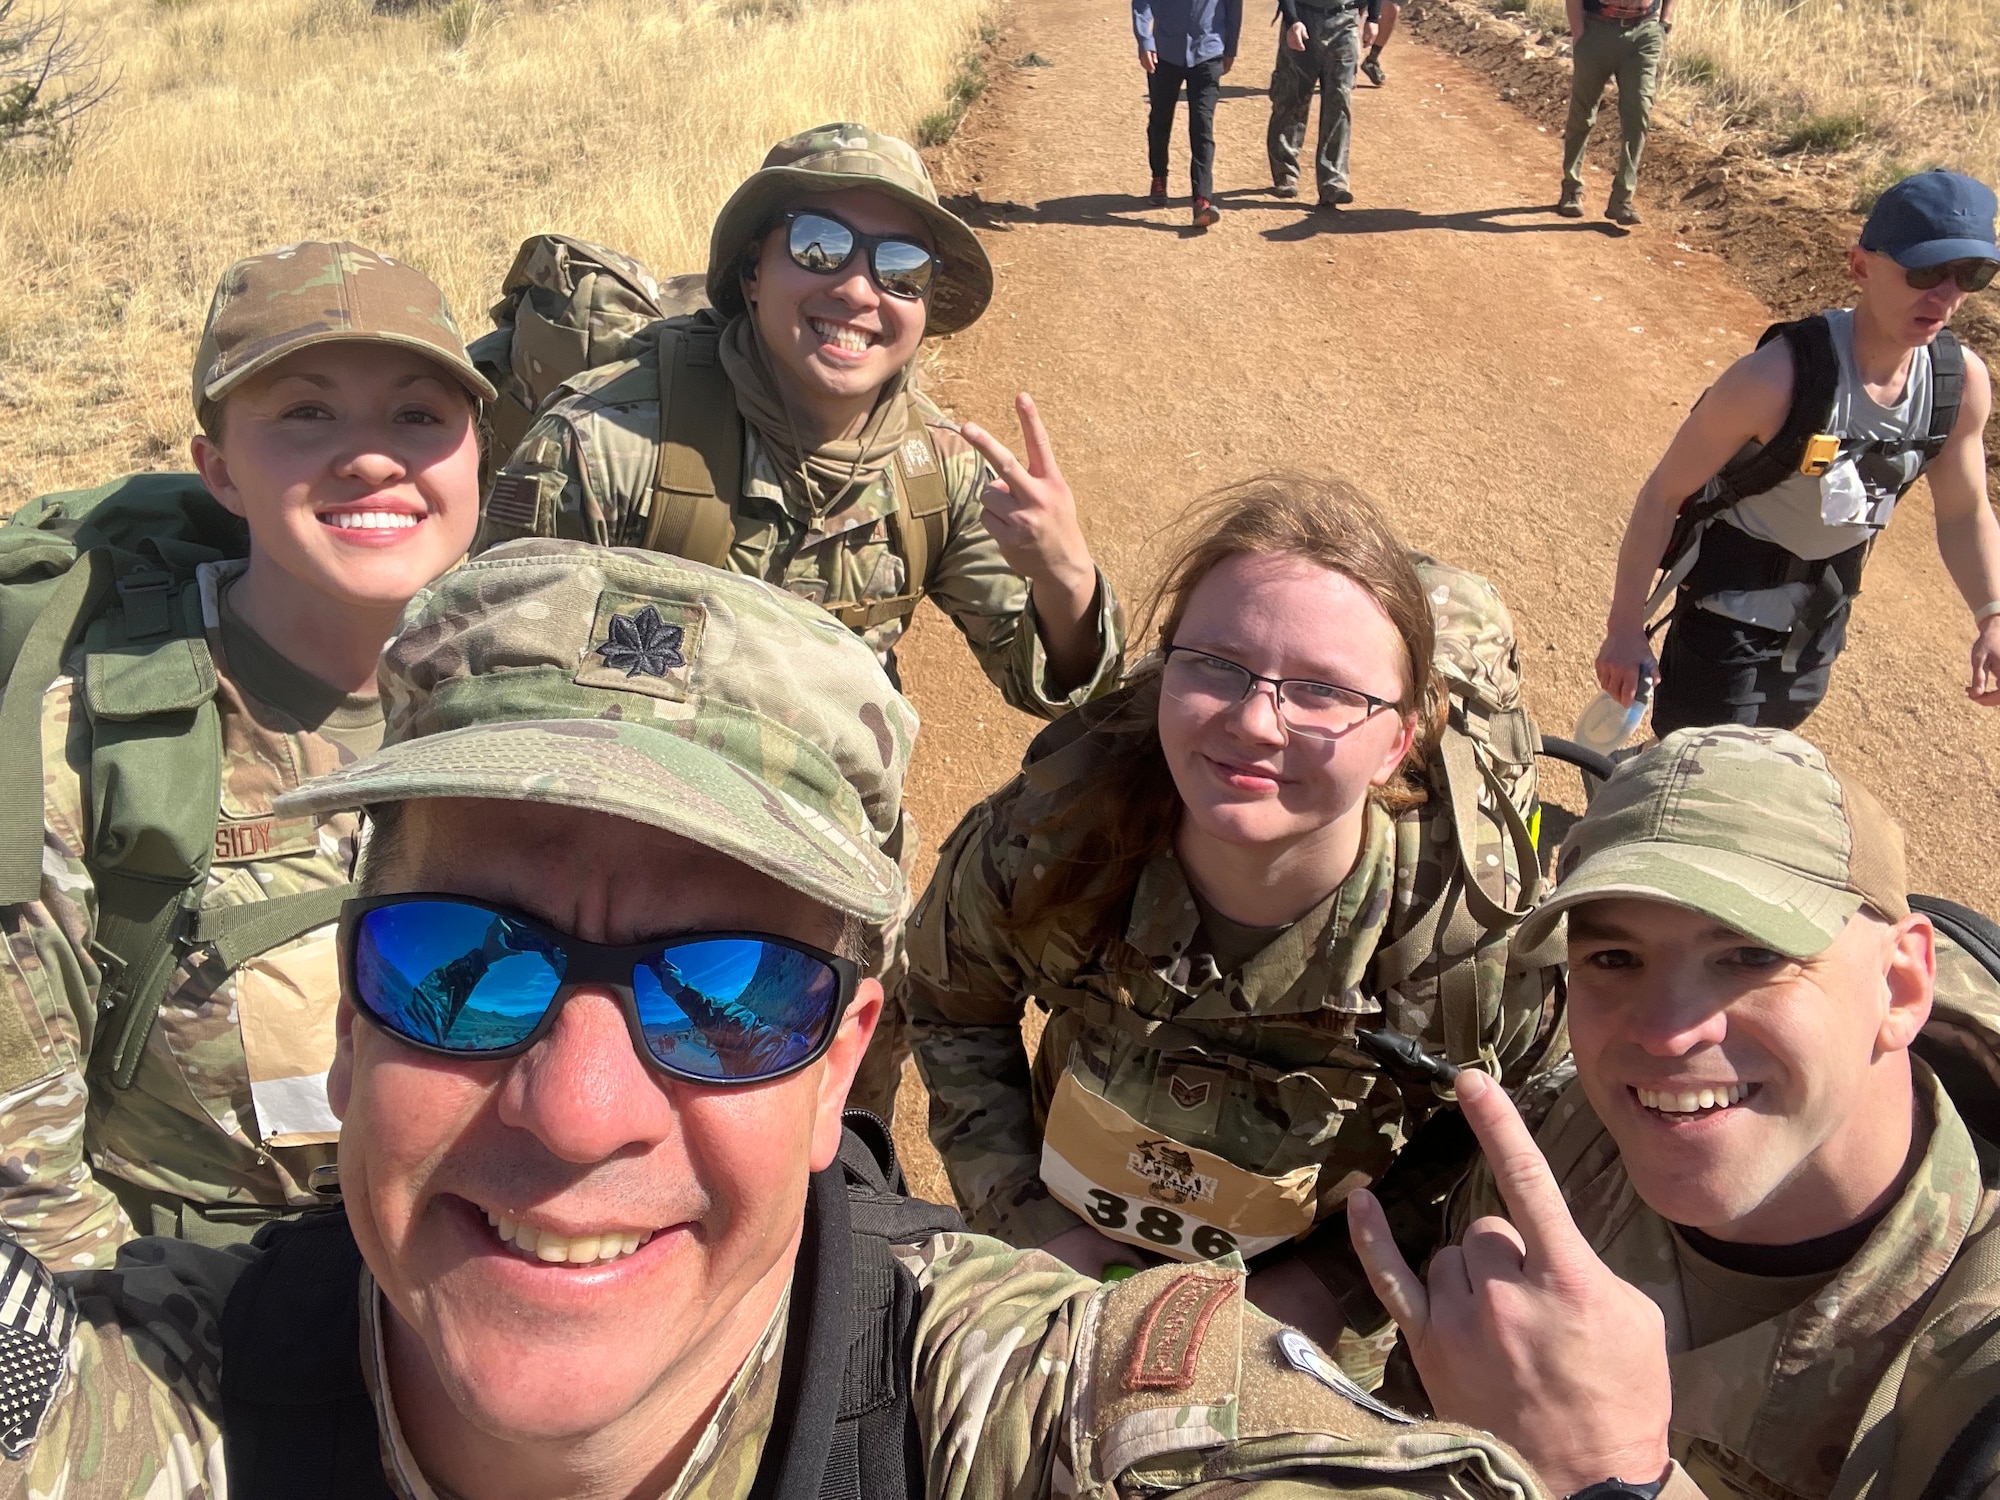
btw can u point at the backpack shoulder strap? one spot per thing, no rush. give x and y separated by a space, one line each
1947 393
292 1382
1815 384
917 529
700 471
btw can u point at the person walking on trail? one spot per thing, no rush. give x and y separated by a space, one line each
167 980
1191 42
1767 503
792 445
583 1251
1621 39
1752 1250
1319 47
1375 36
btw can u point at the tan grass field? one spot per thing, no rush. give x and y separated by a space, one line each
1890 86
443 135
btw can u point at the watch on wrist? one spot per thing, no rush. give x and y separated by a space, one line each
1622 1489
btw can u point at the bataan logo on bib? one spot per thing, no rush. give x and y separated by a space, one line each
1133 1184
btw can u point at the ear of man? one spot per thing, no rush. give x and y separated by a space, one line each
838 1067
1909 980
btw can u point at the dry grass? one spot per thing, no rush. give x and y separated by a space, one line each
442 134
1897 85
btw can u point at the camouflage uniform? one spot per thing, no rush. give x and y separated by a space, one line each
187 1129
654 690
1026 1385
1258 1065
192 1147
1863 1384
586 471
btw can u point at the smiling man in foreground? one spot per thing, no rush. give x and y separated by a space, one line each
602 1234
1751 1145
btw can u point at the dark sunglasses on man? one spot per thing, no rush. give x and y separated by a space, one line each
461 978
1971 275
822 244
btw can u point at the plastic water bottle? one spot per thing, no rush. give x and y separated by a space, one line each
1607 724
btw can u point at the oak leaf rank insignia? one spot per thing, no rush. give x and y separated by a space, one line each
642 645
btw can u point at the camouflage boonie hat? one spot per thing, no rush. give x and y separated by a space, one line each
632 683
320 292
833 159
1749 826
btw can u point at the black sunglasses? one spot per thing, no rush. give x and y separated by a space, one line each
822 244
461 978
1971 275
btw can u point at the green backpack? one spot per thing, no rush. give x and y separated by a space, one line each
110 573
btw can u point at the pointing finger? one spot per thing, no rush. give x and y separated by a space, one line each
1401 1289
1521 1172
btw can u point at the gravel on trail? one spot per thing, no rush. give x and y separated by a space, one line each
1499 379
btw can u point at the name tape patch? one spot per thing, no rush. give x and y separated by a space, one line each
1170 1339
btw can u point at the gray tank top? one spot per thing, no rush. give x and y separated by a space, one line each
1819 517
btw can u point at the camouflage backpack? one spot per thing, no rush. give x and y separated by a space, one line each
110 573
568 308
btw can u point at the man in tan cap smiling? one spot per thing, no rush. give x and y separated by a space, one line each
168 989
1751 1252
779 434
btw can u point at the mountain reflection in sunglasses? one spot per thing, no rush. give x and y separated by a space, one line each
458 977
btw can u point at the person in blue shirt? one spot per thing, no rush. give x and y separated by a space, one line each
1190 42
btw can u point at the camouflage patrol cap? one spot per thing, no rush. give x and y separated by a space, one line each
322 292
632 683
833 159
1749 826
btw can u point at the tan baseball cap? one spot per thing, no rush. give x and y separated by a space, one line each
322 292
1749 826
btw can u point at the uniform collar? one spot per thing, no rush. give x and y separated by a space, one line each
1331 945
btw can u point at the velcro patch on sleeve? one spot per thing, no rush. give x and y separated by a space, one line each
37 1319
1163 1352
1169 1343
513 500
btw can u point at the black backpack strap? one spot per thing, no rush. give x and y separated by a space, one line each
1975 932
1815 384
850 1343
1947 392
297 1418
812 1381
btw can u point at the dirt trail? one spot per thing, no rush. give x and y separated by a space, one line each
1499 379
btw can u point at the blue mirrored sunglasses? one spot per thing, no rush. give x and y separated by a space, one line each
457 977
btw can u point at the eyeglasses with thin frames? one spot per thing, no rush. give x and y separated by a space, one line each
1314 710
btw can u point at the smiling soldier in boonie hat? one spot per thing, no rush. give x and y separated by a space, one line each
791 443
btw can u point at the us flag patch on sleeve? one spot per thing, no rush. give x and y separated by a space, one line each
37 1320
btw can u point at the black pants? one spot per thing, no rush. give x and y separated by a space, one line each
1718 671
1204 85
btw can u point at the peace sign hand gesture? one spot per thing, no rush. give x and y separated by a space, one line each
1523 1331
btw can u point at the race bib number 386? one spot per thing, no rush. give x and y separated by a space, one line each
1135 1185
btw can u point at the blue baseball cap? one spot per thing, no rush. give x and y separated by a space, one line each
1933 217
